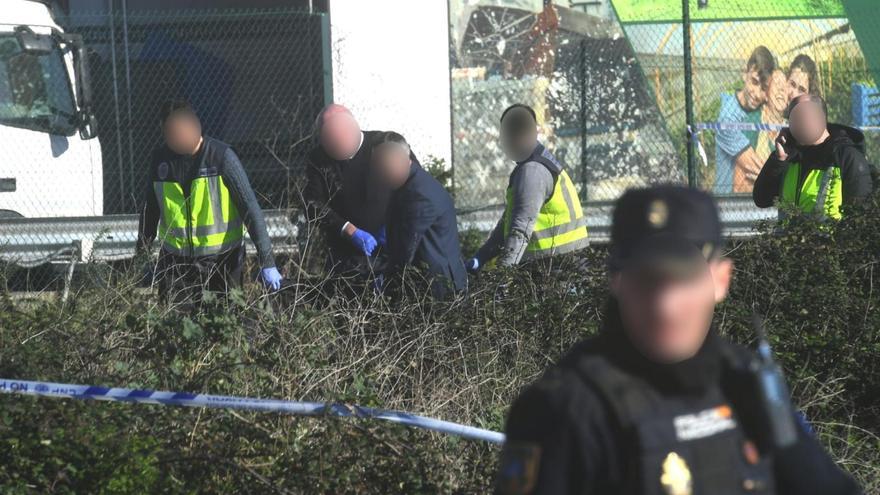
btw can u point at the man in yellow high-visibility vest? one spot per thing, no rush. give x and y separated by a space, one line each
543 214
198 202
818 167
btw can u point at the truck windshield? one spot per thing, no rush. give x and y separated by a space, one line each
35 90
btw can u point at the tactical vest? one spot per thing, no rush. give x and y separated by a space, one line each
820 193
561 226
682 445
205 223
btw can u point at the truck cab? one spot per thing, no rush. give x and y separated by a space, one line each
50 161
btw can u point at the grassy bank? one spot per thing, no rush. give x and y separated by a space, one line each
462 361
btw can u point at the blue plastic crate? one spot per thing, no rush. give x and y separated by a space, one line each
865 105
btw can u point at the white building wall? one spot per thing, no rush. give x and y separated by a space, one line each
391 68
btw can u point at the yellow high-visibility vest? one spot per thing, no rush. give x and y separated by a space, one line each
820 193
205 223
561 226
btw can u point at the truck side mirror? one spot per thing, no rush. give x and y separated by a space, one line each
88 124
31 42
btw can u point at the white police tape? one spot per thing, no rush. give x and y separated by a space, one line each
748 126
67 390
699 127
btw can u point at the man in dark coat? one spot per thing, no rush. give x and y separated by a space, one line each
422 228
817 166
341 195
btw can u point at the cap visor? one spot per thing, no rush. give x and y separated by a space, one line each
668 255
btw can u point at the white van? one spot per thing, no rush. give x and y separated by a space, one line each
50 161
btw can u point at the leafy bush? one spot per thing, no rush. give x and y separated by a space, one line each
462 361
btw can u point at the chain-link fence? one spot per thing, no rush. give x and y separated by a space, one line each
256 78
582 78
748 61
610 90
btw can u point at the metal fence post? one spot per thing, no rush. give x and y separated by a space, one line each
688 92
112 18
583 118
327 58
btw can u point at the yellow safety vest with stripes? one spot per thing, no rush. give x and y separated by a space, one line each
561 226
820 193
205 223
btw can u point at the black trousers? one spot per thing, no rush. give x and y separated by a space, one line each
182 280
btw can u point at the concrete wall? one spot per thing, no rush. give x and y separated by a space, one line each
391 67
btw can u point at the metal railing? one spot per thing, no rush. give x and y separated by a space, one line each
28 242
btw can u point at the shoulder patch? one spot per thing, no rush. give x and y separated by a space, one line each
520 462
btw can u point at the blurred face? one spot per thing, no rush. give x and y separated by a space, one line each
754 94
665 317
182 133
340 136
798 83
519 134
807 122
778 92
392 164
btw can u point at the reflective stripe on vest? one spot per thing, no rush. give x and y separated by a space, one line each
821 192
206 223
561 226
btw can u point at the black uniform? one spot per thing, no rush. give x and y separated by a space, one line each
608 420
186 276
340 191
605 419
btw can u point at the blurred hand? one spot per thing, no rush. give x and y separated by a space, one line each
781 155
271 278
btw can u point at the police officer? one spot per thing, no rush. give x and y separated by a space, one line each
542 214
658 402
198 202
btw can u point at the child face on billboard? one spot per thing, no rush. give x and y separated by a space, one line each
798 83
754 92
778 91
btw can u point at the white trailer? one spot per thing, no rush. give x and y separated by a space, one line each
50 161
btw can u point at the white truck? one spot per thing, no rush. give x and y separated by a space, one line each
50 161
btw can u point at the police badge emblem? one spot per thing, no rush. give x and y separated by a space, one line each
520 462
658 213
163 171
676 477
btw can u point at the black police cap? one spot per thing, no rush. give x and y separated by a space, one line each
664 226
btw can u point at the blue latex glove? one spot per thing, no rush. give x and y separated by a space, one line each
381 238
364 241
271 277
472 265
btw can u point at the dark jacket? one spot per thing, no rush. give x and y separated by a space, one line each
165 164
340 191
423 231
563 424
845 148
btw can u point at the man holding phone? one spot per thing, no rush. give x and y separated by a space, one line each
817 166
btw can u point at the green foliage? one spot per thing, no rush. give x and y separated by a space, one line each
441 171
463 361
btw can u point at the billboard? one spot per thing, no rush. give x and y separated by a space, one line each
749 60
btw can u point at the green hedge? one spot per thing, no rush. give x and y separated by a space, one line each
463 361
